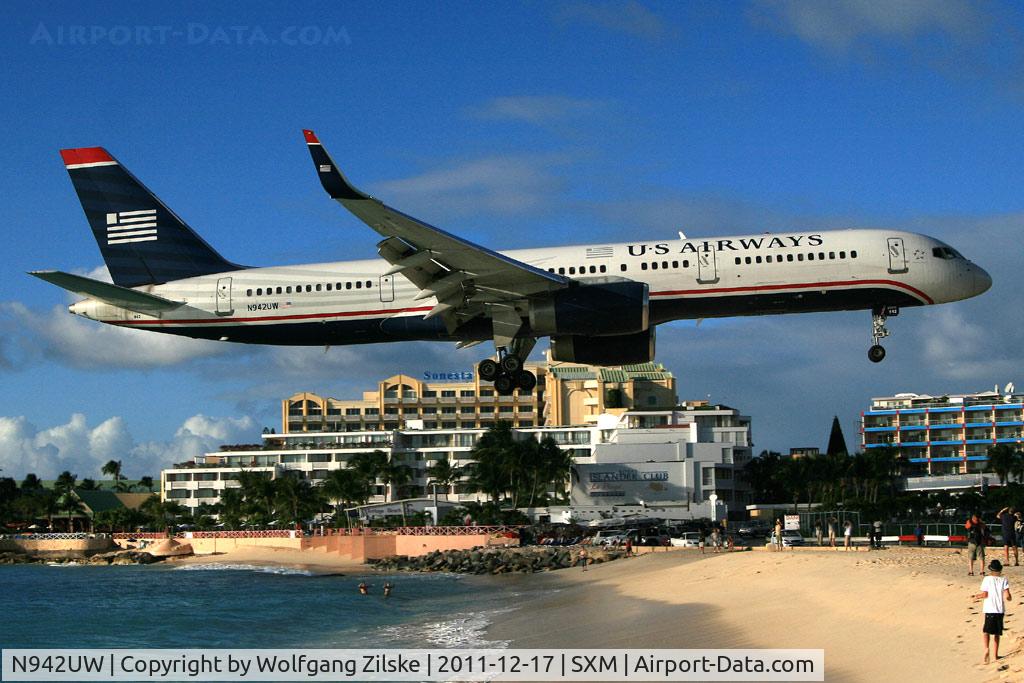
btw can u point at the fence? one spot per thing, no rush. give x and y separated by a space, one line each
76 536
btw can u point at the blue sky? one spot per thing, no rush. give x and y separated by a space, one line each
515 124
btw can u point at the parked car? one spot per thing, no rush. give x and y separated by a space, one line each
789 538
690 539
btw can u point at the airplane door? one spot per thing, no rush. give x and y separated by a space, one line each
707 265
224 296
387 288
897 255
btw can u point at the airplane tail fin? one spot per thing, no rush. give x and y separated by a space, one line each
141 240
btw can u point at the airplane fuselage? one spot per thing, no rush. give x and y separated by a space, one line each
356 302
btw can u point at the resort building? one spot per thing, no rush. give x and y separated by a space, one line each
944 435
697 451
566 394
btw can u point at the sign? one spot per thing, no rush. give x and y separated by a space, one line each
448 376
792 522
630 484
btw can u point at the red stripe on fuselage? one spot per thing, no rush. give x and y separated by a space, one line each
269 318
803 285
680 292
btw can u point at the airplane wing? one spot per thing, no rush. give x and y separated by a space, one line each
466 279
115 295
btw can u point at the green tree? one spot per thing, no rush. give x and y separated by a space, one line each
345 486
146 483
443 474
1002 460
31 483
113 467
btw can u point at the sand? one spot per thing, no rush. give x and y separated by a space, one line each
263 556
899 614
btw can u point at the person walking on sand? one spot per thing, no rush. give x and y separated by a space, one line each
702 540
716 540
818 535
778 533
995 591
832 532
977 534
629 547
1006 520
583 558
847 534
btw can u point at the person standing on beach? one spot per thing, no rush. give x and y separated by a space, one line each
832 532
778 533
995 591
716 540
1006 520
1018 529
977 534
583 558
847 534
702 539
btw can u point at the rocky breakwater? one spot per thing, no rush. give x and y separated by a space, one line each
117 557
480 560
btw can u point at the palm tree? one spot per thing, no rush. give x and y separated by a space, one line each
65 482
71 505
1002 460
146 483
113 467
345 486
443 473
31 482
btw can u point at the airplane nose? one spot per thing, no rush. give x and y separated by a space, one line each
982 281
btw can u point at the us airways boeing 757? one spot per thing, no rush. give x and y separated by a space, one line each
598 303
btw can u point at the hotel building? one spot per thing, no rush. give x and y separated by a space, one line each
566 394
944 435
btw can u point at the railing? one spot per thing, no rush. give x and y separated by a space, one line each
251 533
444 530
76 536
152 535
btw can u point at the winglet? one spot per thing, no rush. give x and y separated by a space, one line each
84 157
327 171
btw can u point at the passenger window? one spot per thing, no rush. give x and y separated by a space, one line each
369 284
821 256
278 290
328 286
799 257
318 287
643 266
622 267
561 271
309 288
747 259
259 292
288 289
686 263
593 269
348 285
604 268
654 265
789 257
842 254
337 286
359 284
248 292
810 257
832 255
768 259
572 270
675 264
853 254
738 260
757 259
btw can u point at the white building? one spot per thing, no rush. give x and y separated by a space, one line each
690 453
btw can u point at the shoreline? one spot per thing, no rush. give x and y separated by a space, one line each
318 563
881 615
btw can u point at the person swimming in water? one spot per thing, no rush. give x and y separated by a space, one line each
364 589
387 589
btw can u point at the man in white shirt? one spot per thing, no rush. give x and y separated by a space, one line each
995 591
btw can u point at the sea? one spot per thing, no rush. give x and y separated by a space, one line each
243 606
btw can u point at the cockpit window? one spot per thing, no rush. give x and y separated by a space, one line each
945 253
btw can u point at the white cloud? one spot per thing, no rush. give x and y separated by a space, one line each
83 450
631 18
505 185
536 109
71 340
839 24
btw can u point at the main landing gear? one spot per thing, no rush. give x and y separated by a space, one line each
507 373
879 331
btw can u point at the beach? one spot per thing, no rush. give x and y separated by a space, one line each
896 614
314 561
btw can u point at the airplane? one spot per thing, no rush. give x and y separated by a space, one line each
598 303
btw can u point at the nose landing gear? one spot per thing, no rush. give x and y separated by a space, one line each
879 331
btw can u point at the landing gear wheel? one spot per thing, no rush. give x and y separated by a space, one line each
526 381
876 353
504 385
878 331
488 370
511 364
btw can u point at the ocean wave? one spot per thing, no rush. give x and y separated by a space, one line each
466 631
290 571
